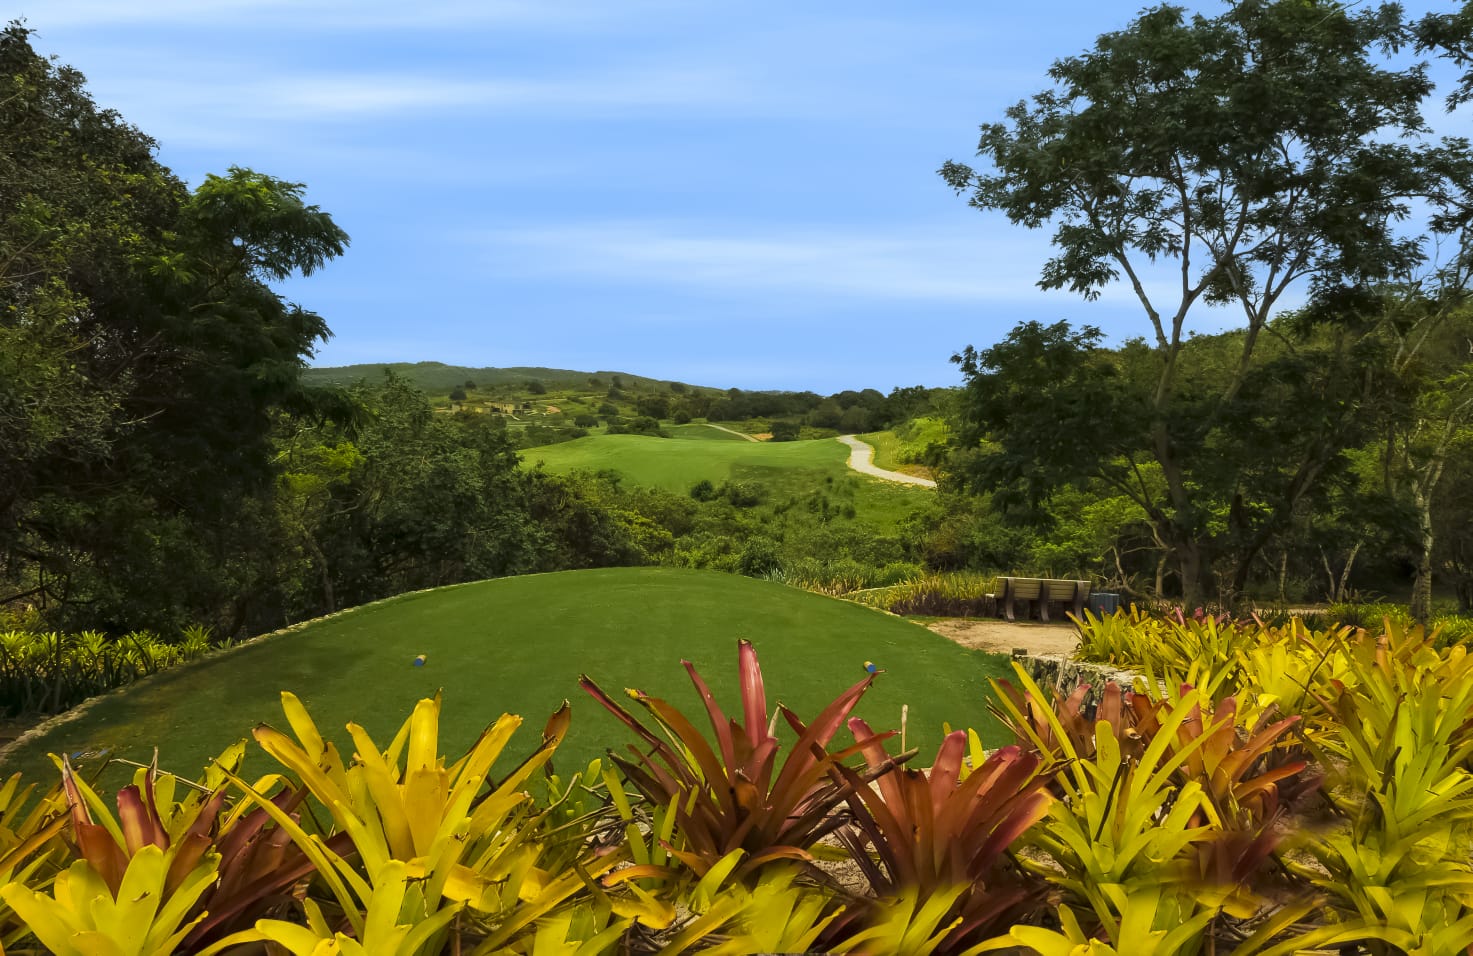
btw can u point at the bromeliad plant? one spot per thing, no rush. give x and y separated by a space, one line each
1169 789
26 844
136 883
463 839
1398 874
941 837
742 791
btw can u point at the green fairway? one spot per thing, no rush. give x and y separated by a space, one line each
518 645
676 465
699 432
788 469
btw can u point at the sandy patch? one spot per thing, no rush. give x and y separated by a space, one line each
1000 637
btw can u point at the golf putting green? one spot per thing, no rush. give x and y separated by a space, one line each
518 645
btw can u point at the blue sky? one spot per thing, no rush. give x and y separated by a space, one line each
727 194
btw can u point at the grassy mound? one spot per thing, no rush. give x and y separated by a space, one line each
518 645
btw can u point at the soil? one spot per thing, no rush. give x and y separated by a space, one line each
1000 637
13 727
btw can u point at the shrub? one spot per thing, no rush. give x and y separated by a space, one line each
743 494
784 431
950 594
646 425
759 558
51 671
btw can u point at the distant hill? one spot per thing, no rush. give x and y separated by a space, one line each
439 377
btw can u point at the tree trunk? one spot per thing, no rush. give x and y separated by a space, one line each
1339 585
1343 587
1422 584
1191 562
328 599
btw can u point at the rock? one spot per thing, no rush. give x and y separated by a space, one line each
1062 674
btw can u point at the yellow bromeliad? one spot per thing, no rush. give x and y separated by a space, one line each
143 916
445 837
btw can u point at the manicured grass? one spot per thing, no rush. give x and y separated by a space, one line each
518 645
699 432
676 465
787 469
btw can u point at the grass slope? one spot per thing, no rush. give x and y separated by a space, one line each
518 645
787 469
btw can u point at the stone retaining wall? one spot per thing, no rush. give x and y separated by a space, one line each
1062 675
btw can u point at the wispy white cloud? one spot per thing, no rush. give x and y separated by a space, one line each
327 96
326 14
987 266
225 106
836 261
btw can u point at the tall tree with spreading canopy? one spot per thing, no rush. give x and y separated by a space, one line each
1242 157
143 354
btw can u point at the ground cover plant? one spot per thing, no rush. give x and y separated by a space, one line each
1170 817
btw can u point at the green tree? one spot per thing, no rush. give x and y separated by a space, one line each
1246 155
653 406
1429 422
149 353
784 430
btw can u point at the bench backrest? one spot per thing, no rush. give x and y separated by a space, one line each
1048 589
1062 590
1025 589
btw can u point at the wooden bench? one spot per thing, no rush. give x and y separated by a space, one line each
1040 592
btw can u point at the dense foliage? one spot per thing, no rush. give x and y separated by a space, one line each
1212 161
142 356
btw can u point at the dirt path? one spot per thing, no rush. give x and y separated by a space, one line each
1000 637
731 431
861 459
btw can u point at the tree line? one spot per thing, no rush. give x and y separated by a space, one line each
1240 161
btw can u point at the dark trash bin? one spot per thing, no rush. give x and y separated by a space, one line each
1102 603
